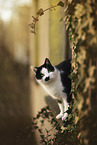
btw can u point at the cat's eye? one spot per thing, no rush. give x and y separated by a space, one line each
49 70
42 75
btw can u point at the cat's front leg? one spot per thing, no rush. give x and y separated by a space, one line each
61 107
66 106
64 116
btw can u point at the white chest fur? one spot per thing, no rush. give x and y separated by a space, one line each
55 87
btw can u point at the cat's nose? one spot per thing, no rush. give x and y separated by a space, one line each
47 78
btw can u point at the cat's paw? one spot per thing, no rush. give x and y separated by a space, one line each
64 116
59 116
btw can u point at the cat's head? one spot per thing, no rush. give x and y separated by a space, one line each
45 73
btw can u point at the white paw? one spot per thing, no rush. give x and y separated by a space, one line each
65 116
59 116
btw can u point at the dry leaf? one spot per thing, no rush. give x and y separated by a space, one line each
40 12
79 10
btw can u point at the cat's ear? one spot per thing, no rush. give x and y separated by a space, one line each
47 61
34 69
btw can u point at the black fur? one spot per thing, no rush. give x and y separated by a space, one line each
65 69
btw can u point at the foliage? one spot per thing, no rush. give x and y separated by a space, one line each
51 135
82 29
40 13
46 116
81 22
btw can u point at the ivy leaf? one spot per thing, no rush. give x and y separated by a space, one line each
61 19
38 115
60 4
47 108
91 70
76 119
79 135
32 25
46 131
32 31
40 12
35 19
79 10
35 127
42 136
39 130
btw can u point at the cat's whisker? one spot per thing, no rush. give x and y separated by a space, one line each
32 67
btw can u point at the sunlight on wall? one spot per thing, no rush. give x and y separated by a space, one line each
8 6
24 2
6 15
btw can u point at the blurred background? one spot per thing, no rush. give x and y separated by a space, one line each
20 96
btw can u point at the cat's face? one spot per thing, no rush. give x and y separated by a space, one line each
45 73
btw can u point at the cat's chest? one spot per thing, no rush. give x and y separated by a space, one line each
55 88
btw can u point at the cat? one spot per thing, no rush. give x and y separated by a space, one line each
55 80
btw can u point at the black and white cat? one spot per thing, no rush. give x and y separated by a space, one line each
55 80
